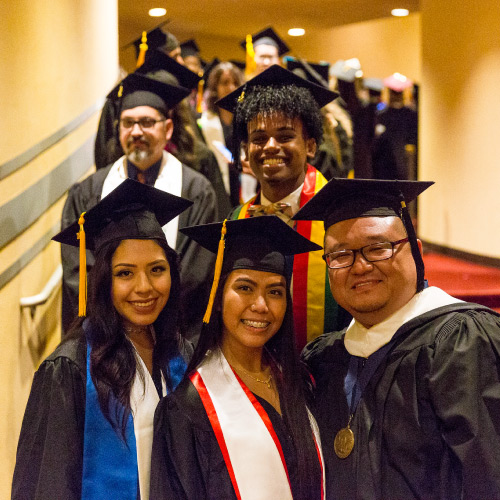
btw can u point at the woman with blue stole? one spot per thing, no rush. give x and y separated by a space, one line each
237 426
88 427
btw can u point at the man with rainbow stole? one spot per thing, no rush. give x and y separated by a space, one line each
277 122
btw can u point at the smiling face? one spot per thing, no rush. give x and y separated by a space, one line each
140 284
278 150
144 147
371 291
253 307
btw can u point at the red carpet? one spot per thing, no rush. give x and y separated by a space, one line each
464 280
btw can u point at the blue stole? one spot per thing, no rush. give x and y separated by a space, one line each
110 464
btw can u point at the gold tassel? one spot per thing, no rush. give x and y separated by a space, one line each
199 96
143 48
82 286
250 58
217 272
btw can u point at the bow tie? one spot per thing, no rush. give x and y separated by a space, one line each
282 210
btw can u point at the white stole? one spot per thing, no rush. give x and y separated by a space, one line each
169 180
255 459
211 128
143 402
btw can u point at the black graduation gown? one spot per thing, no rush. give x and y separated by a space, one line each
50 451
428 423
196 262
187 463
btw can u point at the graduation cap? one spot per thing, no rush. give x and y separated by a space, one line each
346 71
343 199
209 67
138 90
268 37
131 211
373 84
276 76
156 61
190 48
314 72
397 82
156 39
258 243
239 64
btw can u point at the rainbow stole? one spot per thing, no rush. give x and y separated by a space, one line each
314 309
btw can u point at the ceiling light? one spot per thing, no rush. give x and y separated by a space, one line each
296 31
158 12
400 12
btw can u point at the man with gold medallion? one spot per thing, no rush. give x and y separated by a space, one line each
407 397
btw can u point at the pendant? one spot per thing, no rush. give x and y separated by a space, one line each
344 441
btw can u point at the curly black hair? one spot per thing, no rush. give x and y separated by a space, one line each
291 100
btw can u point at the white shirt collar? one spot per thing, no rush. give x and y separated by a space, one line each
293 199
363 342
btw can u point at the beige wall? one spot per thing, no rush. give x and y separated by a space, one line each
59 58
460 113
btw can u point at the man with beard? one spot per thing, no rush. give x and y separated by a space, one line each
145 127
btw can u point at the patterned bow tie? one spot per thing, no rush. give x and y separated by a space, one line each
282 210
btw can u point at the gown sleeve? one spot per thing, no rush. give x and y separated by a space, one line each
50 448
465 390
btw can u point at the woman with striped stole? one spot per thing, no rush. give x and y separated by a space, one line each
88 427
237 427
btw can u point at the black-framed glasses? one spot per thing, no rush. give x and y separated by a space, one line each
371 253
145 122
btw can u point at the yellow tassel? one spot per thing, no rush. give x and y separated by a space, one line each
143 48
217 272
82 286
403 204
250 58
199 97
120 91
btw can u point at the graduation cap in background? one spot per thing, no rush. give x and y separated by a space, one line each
258 243
138 90
276 76
343 199
156 38
314 72
190 48
131 211
373 84
209 67
238 64
156 61
268 37
346 71
397 82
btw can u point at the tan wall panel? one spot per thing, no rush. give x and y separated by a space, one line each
460 112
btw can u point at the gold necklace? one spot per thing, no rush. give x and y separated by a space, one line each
257 379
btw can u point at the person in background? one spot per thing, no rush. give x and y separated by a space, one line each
217 123
88 426
238 425
190 53
407 395
145 127
268 49
278 122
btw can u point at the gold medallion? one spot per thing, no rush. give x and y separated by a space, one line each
344 442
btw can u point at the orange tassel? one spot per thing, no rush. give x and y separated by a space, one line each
217 273
199 96
250 58
143 48
82 285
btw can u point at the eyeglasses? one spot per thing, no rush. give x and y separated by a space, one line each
371 253
145 122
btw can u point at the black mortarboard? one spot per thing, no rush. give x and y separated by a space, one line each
131 211
258 243
239 64
157 39
314 72
209 67
278 76
190 48
138 90
268 37
343 199
156 60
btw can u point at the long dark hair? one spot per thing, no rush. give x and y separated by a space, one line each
112 359
289 375
211 96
